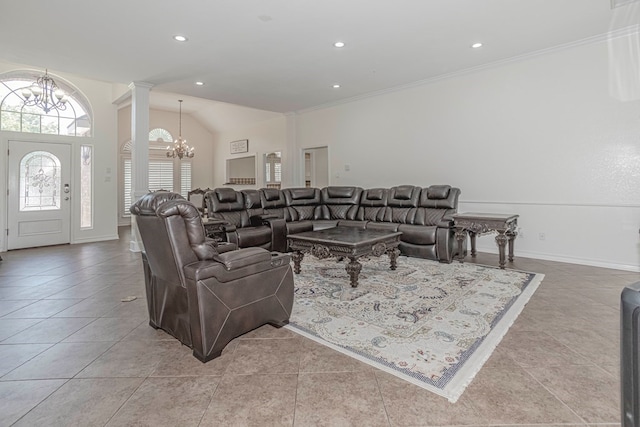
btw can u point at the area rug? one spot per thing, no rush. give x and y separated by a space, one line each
431 324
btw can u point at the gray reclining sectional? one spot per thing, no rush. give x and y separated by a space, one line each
265 217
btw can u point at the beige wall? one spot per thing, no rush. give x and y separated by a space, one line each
541 137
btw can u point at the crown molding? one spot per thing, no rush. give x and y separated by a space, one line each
621 32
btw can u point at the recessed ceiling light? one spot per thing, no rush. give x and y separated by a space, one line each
339 44
199 83
180 38
476 45
336 86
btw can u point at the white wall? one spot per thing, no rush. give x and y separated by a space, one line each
541 137
193 131
264 137
103 141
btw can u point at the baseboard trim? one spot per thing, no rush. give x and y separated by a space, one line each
95 239
569 260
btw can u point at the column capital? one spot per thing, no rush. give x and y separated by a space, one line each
135 85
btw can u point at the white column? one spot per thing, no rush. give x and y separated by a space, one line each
292 173
139 151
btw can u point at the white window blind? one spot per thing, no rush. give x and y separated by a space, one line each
160 177
185 178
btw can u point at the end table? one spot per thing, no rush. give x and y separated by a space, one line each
476 224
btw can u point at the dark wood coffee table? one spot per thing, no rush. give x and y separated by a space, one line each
349 242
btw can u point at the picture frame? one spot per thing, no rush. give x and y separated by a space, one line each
240 146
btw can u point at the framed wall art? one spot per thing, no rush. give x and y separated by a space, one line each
240 146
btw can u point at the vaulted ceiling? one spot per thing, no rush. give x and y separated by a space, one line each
279 55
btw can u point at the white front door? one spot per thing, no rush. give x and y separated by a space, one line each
39 196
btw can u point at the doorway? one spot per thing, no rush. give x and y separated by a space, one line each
316 167
38 203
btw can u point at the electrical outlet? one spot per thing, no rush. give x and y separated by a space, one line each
520 232
542 236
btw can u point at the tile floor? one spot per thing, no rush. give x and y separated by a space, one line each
71 353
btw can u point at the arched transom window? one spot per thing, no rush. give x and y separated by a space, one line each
74 120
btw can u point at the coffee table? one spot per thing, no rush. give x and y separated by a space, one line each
349 242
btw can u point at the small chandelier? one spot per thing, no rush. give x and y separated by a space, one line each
180 148
45 94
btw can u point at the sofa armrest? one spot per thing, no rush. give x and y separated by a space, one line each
242 258
445 240
263 219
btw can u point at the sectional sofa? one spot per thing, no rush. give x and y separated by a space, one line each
265 217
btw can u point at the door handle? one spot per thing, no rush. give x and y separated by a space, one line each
66 198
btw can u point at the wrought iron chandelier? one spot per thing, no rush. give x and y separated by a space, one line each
180 148
45 94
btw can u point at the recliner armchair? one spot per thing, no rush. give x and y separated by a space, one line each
200 296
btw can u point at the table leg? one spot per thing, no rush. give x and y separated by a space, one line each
501 240
461 236
393 257
353 269
297 256
472 238
512 237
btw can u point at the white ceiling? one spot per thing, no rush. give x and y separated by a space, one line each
278 55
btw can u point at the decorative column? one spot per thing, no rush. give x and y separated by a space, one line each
292 172
139 151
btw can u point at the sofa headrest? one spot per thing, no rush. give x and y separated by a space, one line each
252 199
203 249
438 191
404 196
345 192
301 196
226 195
224 200
341 195
271 194
302 193
440 197
374 197
148 203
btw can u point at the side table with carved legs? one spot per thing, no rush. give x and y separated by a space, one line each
475 224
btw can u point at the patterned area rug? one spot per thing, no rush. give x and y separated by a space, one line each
431 324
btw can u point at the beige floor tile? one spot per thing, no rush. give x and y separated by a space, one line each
129 359
51 330
339 399
502 396
410 405
588 390
42 309
535 348
63 360
316 357
10 327
14 355
252 400
266 356
167 402
105 329
82 402
146 332
19 397
268 331
9 306
589 344
181 362
89 308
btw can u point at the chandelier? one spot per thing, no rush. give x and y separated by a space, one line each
45 94
180 148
